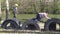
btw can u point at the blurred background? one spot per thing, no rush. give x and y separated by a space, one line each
29 8
33 6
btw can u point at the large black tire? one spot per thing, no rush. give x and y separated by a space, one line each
50 24
30 25
13 24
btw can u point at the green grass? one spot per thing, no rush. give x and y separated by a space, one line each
28 16
20 17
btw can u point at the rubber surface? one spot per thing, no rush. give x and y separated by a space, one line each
30 25
50 24
13 24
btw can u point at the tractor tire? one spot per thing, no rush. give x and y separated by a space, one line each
30 25
13 24
50 24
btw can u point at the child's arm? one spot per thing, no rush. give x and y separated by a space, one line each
46 16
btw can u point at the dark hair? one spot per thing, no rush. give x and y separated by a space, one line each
46 11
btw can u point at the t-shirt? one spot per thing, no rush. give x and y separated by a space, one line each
42 15
39 16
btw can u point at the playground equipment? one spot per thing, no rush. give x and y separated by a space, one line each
50 25
29 24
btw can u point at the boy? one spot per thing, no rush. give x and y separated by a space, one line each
41 15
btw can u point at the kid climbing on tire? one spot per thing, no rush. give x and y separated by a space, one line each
41 15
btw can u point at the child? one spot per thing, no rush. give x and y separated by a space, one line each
41 15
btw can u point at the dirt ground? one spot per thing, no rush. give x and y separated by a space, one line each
41 25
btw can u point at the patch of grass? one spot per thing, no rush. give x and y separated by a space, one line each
29 16
54 16
25 16
20 17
